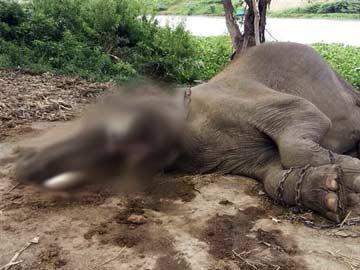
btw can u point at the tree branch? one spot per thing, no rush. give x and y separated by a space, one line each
256 21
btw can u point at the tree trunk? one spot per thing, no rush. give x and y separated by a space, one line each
249 31
263 5
232 26
256 21
254 24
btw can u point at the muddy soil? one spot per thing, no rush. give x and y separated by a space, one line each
179 222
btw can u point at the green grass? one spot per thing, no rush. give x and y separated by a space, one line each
297 14
344 59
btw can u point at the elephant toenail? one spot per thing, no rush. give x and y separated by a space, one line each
331 201
331 183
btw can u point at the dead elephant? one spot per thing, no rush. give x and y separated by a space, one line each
278 113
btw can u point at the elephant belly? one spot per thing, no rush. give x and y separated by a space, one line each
230 146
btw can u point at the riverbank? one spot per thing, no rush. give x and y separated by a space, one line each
342 50
307 31
278 9
332 16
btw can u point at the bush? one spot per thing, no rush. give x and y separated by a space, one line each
169 56
11 13
11 16
96 39
212 55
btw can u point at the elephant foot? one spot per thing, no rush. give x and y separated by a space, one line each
323 191
351 171
320 189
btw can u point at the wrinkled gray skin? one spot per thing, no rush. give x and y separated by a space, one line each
279 106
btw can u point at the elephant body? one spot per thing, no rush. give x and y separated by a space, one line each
277 113
272 89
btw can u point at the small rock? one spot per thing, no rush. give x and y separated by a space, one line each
261 193
225 202
137 219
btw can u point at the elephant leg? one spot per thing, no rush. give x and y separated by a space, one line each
298 137
297 150
316 188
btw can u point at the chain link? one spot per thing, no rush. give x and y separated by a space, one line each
299 185
280 189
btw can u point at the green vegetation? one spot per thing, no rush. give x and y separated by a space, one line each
103 40
213 53
294 13
339 9
344 59
110 40
191 7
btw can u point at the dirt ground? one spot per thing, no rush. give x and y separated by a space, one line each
208 222
26 98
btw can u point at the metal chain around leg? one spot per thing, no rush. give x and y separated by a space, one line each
298 186
280 189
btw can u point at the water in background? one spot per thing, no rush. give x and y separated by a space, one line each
306 31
